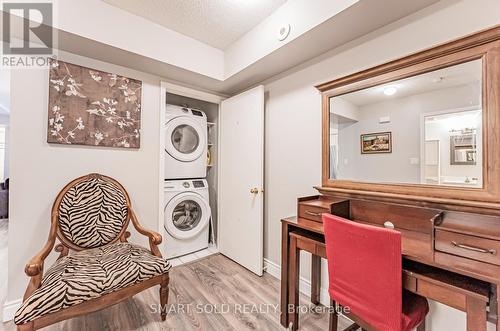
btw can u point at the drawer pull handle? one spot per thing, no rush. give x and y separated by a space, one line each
312 213
475 249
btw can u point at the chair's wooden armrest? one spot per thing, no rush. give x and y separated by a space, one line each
154 237
35 265
34 268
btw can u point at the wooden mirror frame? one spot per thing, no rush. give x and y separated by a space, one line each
484 45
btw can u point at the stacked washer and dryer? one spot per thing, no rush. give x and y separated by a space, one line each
186 204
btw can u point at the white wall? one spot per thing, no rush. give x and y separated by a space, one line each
293 112
40 170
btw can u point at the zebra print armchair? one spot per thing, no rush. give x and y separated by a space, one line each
90 217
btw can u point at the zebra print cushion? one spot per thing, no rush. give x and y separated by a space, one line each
90 274
92 213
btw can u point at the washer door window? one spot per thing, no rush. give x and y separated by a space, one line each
184 139
186 215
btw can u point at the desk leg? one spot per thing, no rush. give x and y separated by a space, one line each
498 306
294 275
315 279
476 314
285 252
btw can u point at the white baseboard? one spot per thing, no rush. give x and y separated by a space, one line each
304 284
10 308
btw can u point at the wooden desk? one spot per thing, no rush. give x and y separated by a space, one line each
458 291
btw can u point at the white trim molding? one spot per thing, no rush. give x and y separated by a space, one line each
168 87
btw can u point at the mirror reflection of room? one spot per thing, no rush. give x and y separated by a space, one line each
425 129
451 147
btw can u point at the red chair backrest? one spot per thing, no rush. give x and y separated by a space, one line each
364 266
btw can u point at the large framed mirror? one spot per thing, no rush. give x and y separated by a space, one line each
424 127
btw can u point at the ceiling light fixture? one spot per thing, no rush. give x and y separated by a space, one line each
390 90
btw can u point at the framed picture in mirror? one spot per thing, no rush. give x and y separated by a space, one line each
376 143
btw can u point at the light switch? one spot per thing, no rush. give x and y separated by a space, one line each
414 161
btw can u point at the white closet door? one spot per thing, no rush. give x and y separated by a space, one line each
241 179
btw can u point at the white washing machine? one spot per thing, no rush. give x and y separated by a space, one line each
187 215
185 143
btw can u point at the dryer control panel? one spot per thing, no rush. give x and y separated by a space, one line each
198 183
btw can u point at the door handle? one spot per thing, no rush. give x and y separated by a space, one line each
254 190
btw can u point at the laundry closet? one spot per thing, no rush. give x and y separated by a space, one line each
212 168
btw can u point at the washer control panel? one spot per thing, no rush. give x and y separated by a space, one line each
198 183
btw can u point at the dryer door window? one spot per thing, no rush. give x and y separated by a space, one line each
185 139
186 215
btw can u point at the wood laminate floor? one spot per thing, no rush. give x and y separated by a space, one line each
213 293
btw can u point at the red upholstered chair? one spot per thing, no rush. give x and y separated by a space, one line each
364 266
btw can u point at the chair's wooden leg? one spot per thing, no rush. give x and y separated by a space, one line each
334 318
421 327
164 297
26 327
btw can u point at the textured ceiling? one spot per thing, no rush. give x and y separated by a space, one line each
214 22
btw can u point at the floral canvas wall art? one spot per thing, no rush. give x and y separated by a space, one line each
92 107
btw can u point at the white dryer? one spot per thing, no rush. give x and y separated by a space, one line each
185 143
187 216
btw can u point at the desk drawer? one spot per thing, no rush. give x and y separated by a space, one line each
472 247
409 218
312 213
